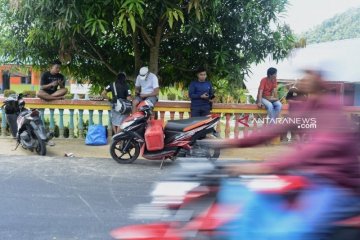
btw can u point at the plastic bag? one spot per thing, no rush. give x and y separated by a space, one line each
96 135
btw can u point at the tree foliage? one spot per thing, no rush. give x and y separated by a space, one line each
342 26
98 38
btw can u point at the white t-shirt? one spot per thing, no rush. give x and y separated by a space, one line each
149 84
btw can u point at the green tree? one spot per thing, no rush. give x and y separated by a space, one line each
342 26
97 38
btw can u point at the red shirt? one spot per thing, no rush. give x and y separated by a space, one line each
267 86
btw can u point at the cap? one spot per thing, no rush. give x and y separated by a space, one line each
143 72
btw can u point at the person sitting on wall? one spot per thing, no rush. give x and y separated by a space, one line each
50 81
146 87
267 94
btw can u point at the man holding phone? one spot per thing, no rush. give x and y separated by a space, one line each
201 94
267 94
50 81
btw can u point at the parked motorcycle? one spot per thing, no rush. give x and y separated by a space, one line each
187 206
142 136
26 125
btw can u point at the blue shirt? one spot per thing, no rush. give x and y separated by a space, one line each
196 89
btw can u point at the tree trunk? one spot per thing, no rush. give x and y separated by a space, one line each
137 52
154 59
155 49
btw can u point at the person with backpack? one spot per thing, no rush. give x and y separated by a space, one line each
121 101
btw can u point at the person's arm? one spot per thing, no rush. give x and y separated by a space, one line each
106 90
44 86
128 93
260 95
275 91
137 87
61 82
266 133
288 161
192 94
211 93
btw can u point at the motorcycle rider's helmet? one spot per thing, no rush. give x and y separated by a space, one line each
123 106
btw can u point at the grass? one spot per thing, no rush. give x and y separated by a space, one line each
19 88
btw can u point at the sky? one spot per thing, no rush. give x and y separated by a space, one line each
305 14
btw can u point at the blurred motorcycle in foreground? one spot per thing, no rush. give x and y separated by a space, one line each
190 204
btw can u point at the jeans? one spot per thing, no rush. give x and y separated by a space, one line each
267 216
200 111
273 108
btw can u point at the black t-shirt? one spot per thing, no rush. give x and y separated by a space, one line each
122 90
48 78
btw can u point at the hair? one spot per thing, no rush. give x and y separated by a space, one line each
56 62
121 77
271 71
200 69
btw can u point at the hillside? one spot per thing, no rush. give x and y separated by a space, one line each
342 26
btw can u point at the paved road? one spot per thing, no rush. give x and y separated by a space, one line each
53 198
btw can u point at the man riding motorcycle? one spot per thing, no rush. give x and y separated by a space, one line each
329 160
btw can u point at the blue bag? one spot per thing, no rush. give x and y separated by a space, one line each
96 135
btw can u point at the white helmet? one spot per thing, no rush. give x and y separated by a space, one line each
143 73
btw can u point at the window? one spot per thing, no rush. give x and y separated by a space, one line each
25 80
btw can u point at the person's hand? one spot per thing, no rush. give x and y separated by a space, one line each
61 83
143 95
205 96
259 104
273 99
55 83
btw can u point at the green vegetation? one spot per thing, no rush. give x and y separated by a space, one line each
19 88
343 26
98 38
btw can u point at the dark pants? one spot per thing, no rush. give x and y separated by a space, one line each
200 111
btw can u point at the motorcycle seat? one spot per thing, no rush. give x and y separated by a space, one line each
184 125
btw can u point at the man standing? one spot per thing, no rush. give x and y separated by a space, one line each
201 93
146 87
267 94
50 81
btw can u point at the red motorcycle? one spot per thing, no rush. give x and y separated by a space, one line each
143 136
187 207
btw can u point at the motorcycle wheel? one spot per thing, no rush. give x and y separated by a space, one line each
124 157
41 146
